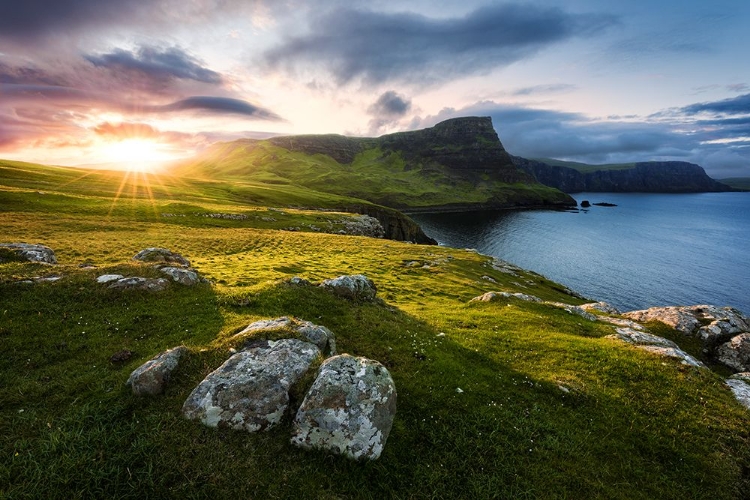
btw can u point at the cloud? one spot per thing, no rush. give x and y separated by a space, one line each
544 89
387 110
217 105
159 64
126 130
377 47
732 106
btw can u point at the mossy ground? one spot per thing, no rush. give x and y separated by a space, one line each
548 407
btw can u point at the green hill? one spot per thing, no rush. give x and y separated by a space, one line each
742 183
507 399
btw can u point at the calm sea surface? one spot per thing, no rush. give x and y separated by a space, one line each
650 250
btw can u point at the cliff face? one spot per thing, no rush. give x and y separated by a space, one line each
644 177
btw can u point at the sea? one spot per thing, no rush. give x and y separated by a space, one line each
649 250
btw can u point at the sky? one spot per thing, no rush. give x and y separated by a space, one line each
86 82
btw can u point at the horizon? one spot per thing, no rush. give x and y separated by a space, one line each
593 82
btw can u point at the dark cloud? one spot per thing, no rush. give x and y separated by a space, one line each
218 105
378 47
28 75
159 64
387 110
732 106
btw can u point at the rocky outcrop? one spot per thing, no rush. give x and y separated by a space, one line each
349 409
656 345
495 296
739 383
28 252
396 225
355 287
152 376
364 225
644 177
187 277
736 353
108 278
140 283
161 255
321 336
602 307
250 391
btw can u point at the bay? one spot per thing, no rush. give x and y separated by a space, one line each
649 250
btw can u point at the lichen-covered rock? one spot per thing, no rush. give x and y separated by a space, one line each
673 352
187 277
31 253
505 267
161 255
152 376
578 311
321 336
140 283
493 296
639 337
298 281
736 353
739 383
621 322
108 278
250 391
349 409
712 324
354 287
363 225
600 307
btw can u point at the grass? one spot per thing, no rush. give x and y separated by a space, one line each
586 167
550 408
742 183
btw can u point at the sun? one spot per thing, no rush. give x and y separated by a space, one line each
136 155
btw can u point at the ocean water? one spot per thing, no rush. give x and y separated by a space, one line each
649 250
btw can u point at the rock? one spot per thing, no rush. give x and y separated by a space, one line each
673 352
139 283
107 278
712 324
740 386
32 253
250 390
736 353
297 281
621 322
154 254
488 278
121 356
585 204
601 307
355 287
363 225
637 337
187 277
605 204
493 296
321 336
505 267
349 409
573 310
152 376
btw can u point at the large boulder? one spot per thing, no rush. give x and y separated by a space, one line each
161 255
321 336
31 253
355 287
140 283
736 353
187 277
639 337
600 307
152 376
250 391
349 409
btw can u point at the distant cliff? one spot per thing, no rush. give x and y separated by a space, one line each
644 177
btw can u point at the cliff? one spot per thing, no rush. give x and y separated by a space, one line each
643 177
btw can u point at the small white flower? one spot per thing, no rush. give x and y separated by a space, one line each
459 390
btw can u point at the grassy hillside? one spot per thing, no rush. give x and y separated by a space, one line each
549 408
585 167
737 182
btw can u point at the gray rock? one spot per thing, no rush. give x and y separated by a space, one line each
107 278
140 283
573 310
250 391
639 337
161 255
187 277
673 352
349 409
601 307
505 267
363 225
321 336
741 389
298 281
736 353
622 322
493 296
152 376
32 253
676 317
354 287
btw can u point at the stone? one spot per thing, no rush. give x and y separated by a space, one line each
621 322
505 267
355 287
107 278
493 296
736 353
600 307
152 376
585 204
161 255
573 310
740 387
298 281
250 391
638 337
349 409
32 253
321 336
187 277
363 225
140 283
673 352
121 356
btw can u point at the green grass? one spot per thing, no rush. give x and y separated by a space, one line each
586 167
737 182
627 425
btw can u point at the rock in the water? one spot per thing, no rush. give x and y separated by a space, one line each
321 336
140 283
493 296
107 278
639 337
585 204
250 391
152 376
712 324
187 277
354 287
673 352
740 385
736 353
601 307
31 253
349 410
160 255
